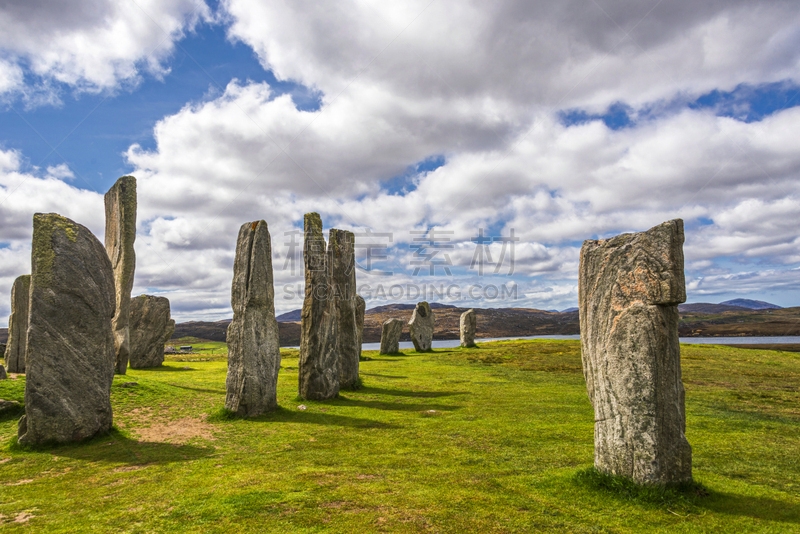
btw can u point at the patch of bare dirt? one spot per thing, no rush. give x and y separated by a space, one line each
178 431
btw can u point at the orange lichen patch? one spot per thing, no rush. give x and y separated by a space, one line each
177 432
254 225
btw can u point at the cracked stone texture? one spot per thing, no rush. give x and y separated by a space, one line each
390 336
467 326
342 281
421 327
254 356
70 353
18 325
361 308
629 290
319 356
150 328
120 202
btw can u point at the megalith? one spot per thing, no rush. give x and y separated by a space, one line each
18 325
361 308
421 327
150 328
319 355
390 336
629 290
254 356
70 353
120 202
467 327
3 374
342 280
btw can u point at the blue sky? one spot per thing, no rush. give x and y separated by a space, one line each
408 118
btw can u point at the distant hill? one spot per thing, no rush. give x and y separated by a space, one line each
401 307
568 310
289 317
752 304
707 307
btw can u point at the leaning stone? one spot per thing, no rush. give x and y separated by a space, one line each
390 336
70 354
18 325
629 290
150 328
342 280
120 203
361 308
254 356
467 328
421 327
319 357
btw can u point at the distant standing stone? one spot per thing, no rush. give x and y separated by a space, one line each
3 374
120 203
18 325
467 327
150 328
629 290
254 356
319 356
70 354
421 327
361 307
390 336
342 279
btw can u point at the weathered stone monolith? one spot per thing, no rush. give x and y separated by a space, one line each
361 308
254 356
319 356
342 280
421 327
3 374
150 328
630 287
467 327
18 325
390 336
70 353
120 203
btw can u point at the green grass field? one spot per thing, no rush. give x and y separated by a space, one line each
493 439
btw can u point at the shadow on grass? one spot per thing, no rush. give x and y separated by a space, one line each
756 507
382 376
306 417
12 413
115 447
417 393
166 369
400 407
201 390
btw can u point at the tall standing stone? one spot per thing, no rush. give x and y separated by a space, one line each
467 327
70 353
254 356
150 328
361 308
319 356
421 327
390 336
342 280
3 374
629 290
18 325
120 203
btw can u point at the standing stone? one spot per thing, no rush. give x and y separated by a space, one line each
70 353
150 328
467 327
361 308
254 356
319 356
3 374
342 281
390 336
120 234
18 325
421 327
629 290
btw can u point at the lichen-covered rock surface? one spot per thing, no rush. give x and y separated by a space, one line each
18 325
254 356
467 326
342 279
390 336
150 328
421 327
70 352
629 290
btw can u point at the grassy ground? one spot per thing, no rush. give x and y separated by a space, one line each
494 439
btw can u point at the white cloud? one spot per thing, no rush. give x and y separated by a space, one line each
89 45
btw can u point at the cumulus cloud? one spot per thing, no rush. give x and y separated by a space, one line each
88 45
